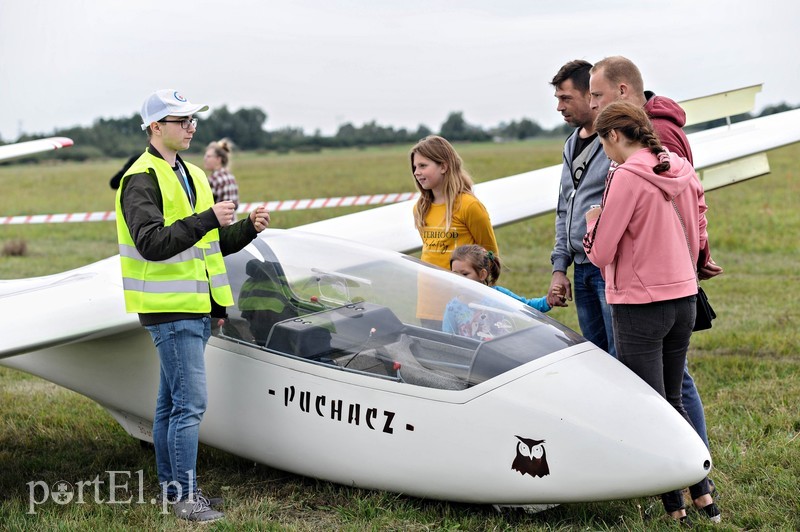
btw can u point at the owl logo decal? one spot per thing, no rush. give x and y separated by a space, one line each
531 458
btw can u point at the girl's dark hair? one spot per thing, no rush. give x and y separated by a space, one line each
631 121
479 259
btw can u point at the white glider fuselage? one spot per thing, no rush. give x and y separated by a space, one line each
566 424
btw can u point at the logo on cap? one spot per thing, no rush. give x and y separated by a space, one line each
179 97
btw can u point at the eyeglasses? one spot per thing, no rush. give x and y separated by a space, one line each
185 123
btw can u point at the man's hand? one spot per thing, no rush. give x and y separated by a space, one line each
224 211
560 290
709 270
260 218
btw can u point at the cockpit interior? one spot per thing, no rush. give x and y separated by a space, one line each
368 311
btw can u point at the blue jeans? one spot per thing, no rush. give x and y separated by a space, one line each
594 318
594 314
181 402
693 404
652 340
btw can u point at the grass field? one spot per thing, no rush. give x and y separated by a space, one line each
747 367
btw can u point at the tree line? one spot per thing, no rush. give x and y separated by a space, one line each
122 137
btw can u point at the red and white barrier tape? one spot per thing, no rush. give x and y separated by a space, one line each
272 206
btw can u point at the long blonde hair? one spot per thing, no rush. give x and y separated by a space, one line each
456 180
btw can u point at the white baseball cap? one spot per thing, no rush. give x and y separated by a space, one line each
166 102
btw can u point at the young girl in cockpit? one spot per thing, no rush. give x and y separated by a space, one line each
476 263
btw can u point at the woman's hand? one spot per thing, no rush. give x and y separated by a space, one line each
593 213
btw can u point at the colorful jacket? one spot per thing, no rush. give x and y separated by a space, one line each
156 238
638 241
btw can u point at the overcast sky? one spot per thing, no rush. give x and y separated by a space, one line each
318 64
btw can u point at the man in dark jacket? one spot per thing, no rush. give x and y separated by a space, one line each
172 237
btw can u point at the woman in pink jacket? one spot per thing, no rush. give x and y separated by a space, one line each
637 238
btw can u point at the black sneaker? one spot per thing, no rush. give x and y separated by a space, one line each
197 511
711 512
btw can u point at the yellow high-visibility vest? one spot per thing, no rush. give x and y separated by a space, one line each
181 283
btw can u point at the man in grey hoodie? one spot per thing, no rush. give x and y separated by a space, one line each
583 176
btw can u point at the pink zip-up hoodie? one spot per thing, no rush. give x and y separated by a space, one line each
638 242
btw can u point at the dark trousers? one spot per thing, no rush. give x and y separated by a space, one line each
652 340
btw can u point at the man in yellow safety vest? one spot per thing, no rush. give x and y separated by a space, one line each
172 237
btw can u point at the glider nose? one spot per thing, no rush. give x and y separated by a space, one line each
606 433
